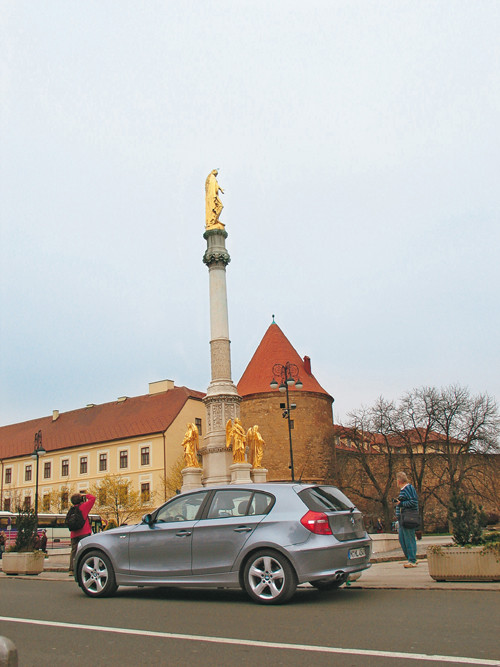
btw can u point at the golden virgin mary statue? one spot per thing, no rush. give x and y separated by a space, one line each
213 204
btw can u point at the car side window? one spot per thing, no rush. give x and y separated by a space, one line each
184 508
261 503
229 503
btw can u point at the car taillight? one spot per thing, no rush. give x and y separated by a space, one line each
317 523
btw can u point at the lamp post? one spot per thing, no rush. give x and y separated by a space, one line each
37 452
289 375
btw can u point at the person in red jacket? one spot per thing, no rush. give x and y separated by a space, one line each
85 503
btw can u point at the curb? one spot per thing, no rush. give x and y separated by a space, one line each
390 559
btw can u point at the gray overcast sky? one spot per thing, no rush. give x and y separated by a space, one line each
358 145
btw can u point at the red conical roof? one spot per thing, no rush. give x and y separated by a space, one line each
275 348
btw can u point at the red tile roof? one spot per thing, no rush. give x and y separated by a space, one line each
137 416
415 437
275 348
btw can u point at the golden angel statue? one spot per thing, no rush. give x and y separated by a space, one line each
236 433
256 446
191 444
213 204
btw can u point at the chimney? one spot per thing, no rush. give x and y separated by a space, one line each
307 365
55 415
161 385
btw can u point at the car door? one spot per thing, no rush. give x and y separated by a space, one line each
229 522
162 549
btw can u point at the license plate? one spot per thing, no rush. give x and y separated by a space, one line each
356 553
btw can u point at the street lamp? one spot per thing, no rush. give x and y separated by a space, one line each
37 452
288 374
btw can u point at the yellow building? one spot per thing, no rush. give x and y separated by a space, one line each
138 438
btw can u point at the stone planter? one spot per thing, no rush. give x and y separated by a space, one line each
463 564
30 562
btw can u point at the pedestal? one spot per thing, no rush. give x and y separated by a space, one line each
191 479
240 473
259 475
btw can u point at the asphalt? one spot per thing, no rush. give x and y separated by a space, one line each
386 572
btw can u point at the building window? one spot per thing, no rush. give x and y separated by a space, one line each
144 456
83 465
6 505
197 423
46 502
27 502
103 462
8 475
101 496
145 493
65 468
47 469
27 474
124 459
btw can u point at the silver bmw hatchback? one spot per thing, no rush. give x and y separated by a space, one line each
264 538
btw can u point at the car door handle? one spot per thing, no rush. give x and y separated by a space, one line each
242 529
183 533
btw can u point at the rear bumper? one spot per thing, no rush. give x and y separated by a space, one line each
318 558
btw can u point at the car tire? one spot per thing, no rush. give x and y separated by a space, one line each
328 584
96 576
269 578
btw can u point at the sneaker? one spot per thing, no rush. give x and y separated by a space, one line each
410 564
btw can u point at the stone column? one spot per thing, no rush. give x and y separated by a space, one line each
222 401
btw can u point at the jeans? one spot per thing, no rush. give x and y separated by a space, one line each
408 543
74 545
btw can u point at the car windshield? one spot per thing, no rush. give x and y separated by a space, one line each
184 508
329 498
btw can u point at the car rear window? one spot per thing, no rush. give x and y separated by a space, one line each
325 498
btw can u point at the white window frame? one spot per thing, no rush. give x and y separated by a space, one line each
68 459
123 449
147 465
99 471
80 457
51 461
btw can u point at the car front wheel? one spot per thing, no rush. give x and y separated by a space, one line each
96 576
269 578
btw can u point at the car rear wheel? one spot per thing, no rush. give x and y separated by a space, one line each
96 575
328 584
269 578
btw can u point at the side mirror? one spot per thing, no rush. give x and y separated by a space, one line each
147 519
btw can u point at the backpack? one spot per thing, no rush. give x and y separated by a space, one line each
74 518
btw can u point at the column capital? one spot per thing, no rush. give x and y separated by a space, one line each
213 256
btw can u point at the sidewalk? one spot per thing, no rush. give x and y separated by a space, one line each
387 571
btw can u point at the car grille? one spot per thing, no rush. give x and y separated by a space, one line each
347 526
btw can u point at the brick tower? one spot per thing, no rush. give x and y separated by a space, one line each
312 434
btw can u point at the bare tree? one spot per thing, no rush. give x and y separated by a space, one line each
466 431
172 483
117 501
446 439
370 443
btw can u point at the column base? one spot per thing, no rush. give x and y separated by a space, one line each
191 479
259 475
240 473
